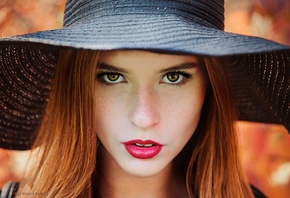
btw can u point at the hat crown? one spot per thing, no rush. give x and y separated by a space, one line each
208 13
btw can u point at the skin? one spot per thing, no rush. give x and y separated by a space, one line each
138 101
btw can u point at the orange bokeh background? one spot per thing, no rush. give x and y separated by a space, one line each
265 148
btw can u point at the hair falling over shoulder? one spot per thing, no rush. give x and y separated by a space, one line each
68 141
213 168
66 136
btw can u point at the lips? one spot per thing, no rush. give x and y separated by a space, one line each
143 149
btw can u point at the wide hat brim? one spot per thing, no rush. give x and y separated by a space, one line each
259 69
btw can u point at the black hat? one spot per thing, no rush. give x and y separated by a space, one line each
259 68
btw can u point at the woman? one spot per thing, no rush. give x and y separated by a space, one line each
138 98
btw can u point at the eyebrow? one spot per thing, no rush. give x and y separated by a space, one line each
182 66
189 65
105 66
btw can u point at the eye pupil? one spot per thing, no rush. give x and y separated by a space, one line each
173 77
113 77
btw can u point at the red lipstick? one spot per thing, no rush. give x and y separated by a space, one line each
143 149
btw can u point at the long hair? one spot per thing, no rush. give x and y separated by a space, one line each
67 138
211 157
209 163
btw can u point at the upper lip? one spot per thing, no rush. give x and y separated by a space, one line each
142 142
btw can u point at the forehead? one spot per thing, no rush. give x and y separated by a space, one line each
129 58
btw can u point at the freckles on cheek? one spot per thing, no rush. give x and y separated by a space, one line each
103 108
108 113
188 108
184 116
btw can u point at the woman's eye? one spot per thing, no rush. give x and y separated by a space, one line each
110 78
175 77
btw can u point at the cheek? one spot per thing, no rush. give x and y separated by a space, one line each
183 115
108 115
183 119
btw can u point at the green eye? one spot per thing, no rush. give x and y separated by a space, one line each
112 77
173 77
176 78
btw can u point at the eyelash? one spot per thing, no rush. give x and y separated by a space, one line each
100 77
187 76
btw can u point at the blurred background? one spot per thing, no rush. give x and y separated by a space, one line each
265 148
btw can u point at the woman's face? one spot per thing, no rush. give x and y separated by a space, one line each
148 106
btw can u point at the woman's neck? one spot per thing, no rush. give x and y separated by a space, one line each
116 183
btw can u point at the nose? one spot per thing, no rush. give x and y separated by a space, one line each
144 113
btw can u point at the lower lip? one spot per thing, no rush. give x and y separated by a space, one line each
143 152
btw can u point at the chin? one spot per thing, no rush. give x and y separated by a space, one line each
144 168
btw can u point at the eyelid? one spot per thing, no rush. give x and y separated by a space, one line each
185 75
100 77
102 73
